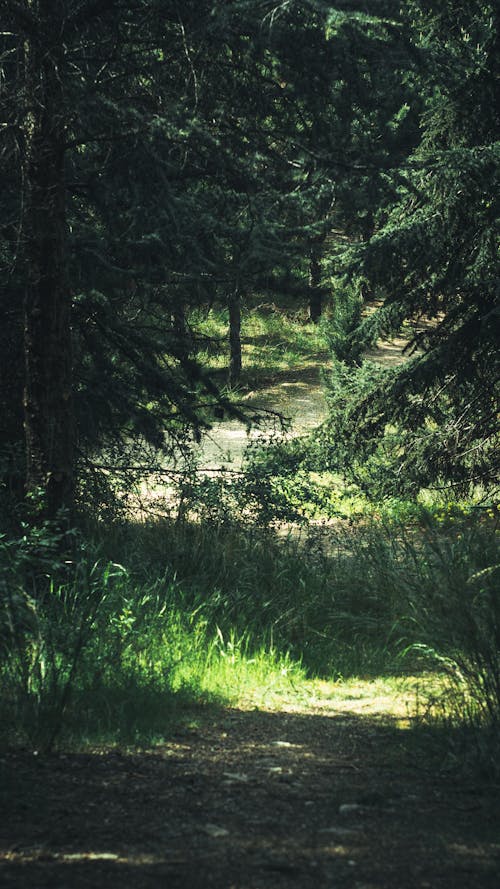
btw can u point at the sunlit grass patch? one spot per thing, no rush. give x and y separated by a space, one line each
397 697
244 674
271 342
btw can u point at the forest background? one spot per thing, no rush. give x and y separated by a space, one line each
169 174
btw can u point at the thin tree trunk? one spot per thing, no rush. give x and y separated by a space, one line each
315 288
181 345
235 364
48 402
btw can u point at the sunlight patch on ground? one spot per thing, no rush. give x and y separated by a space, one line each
395 698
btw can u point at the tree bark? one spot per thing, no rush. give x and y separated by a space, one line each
48 401
235 363
315 288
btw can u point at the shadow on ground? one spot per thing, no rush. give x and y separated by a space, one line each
249 800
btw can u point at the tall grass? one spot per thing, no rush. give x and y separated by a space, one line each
114 652
162 617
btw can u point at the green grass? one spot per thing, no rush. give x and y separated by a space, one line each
119 653
162 619
273 342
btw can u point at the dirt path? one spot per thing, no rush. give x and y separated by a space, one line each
313 798
298 395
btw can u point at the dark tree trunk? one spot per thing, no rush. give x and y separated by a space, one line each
234 305
48 402
316 292
181 346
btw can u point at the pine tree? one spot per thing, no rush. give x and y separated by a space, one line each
433 256
112 230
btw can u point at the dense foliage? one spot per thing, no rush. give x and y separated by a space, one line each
199 156
433 257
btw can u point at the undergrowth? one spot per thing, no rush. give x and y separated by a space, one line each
118 640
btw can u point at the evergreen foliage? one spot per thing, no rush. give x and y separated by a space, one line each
203 153
166 197
182 149
433 257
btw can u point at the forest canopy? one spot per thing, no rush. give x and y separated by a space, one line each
158 158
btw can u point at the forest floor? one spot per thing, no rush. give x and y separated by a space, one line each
326 792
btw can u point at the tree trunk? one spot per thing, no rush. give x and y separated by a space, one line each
181 344
234 305
315 288
48 402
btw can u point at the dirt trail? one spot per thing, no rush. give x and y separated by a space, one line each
313 798
297 395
